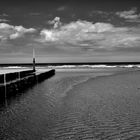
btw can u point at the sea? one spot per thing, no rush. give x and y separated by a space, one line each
57 108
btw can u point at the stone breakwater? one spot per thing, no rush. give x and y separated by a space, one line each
13 83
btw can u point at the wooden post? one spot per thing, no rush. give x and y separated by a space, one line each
33 60
19 75
5 94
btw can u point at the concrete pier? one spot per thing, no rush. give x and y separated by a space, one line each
13 83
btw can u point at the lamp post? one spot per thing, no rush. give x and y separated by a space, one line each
34 60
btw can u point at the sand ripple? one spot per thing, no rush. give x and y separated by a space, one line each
100 111
77 108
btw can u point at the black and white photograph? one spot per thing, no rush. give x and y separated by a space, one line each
69 69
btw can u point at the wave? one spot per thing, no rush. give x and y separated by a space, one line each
130 66
75 66
93 66
14 67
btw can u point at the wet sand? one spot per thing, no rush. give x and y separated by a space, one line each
76 106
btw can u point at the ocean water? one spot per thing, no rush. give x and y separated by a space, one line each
63 107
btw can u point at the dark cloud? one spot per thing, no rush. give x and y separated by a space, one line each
131 15
33 13
61 8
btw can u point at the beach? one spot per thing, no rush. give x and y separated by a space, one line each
77 105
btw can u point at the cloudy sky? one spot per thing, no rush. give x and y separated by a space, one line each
69 31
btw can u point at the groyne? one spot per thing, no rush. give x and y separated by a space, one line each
13 83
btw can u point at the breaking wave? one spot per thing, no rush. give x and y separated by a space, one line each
74 66
93 66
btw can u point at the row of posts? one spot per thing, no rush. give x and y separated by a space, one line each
19 77
5 88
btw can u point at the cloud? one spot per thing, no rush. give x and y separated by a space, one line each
130 15
99 13
55 22
34 14
75 31
47 35
4 15
86 35
12 32
4 20
61 8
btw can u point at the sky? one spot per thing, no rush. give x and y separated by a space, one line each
69 30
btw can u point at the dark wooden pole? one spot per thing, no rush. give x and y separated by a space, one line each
34 60
5 90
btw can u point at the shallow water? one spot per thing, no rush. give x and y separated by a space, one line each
69 106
